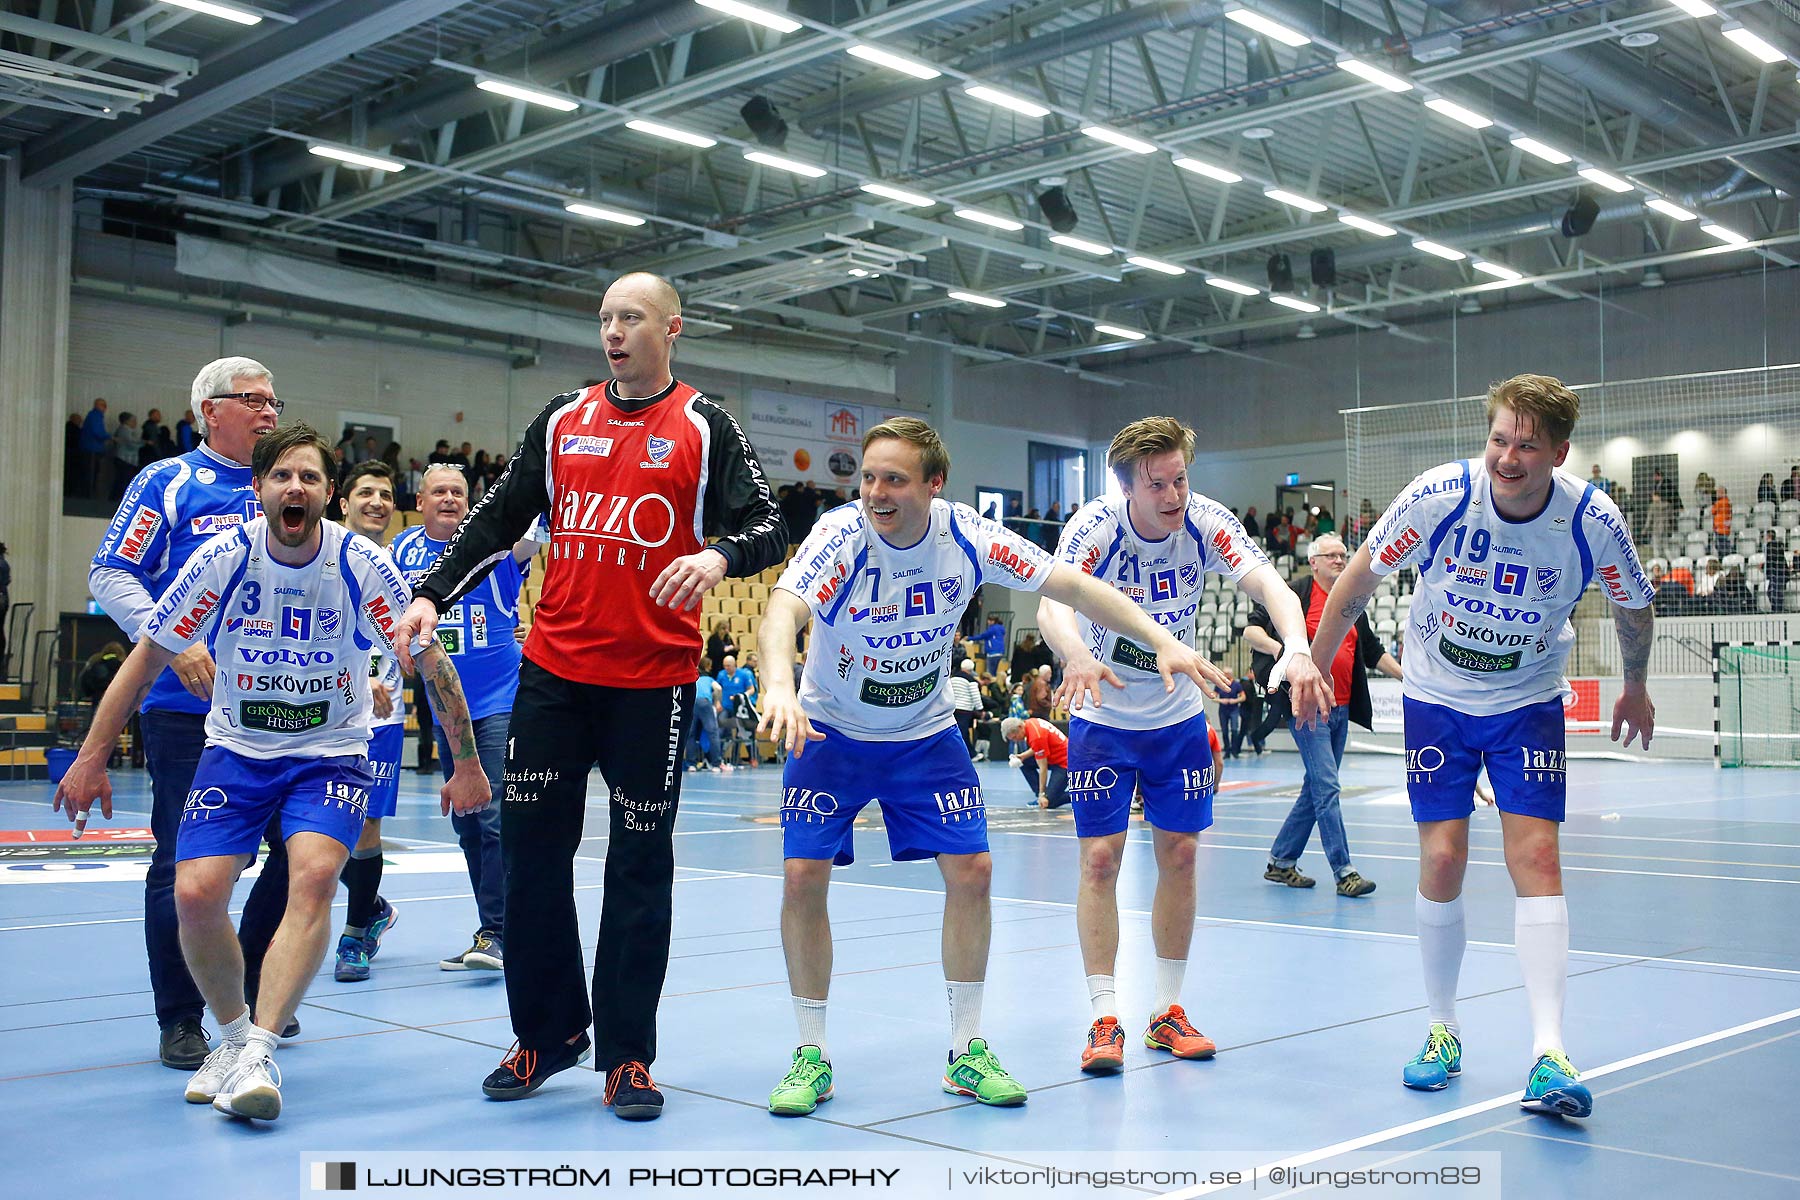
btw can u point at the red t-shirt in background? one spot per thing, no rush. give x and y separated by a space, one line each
1048 742
1344 661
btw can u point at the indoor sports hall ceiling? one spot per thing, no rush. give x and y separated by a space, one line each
935 153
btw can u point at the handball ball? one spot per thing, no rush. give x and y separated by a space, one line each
802 460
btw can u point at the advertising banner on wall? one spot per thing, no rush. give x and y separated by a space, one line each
808 437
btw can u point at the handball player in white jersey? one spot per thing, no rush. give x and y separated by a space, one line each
1505 545
885 581
1155 543
291 607
368 508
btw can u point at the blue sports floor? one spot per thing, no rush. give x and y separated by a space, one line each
1683 1004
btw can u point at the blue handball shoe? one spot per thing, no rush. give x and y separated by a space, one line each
1433 1067
1555 1087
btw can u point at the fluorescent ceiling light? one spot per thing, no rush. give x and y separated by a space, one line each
1611 183
750 12
895 62
1496 270
1695 8
1456 112
1231 285
916 199
1441 251
1006 100
1751 44
356 158
1155 264
1081 244
1304 203
1120 331
1366 225
1262 25
1293 302
1101 133
1376 75
501 87
1724 234
1208 170
602 214
785 164
982 217
1668 209
976 298
225 11
1531 145
658 129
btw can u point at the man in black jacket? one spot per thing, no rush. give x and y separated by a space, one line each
1322 746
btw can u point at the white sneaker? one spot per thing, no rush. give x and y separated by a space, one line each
727 767
205 1083
252 1090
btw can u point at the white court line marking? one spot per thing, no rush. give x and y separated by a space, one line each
1473 862
708 877
1565 832
1489 1105
1645 959
1645 858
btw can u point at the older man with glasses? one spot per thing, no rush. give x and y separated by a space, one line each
170 510
1321 746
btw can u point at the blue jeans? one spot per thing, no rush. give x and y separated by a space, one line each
1321 750
479 833
706 725
1231 728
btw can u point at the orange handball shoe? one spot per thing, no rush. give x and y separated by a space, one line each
1105 1047
1172 1031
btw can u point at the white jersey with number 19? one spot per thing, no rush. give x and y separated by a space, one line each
1165 578
292 644
1489 627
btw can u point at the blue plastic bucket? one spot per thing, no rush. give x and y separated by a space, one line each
59 762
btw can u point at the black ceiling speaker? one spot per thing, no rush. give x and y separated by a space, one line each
764 121
1324 267
1054 202
1581 216
1281 273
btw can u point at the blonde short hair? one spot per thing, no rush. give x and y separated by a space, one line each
934 459
1146 437
1551 405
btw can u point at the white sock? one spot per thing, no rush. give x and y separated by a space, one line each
1169 974
1541 940
236 1032
965 1014
260 1043
1442 938
809 1015
1102 996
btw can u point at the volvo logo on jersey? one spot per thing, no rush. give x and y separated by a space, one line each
658 449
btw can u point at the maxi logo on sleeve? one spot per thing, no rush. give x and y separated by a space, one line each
144 524
190 624
277 716
1401 547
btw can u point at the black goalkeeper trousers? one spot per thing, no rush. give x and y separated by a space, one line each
637 737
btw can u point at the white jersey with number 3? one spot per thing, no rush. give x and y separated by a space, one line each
884 619
1164 578
1489 627
292 644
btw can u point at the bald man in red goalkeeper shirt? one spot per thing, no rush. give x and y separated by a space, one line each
634 475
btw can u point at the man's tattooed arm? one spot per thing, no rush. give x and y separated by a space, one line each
448 702
1637 630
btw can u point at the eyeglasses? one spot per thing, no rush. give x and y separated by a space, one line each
1335 556
254 401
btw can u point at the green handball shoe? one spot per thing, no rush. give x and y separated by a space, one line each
979 1074
806 1086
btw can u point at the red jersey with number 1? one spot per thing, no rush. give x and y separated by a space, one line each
629 487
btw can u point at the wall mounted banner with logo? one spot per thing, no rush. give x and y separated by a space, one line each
807 437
